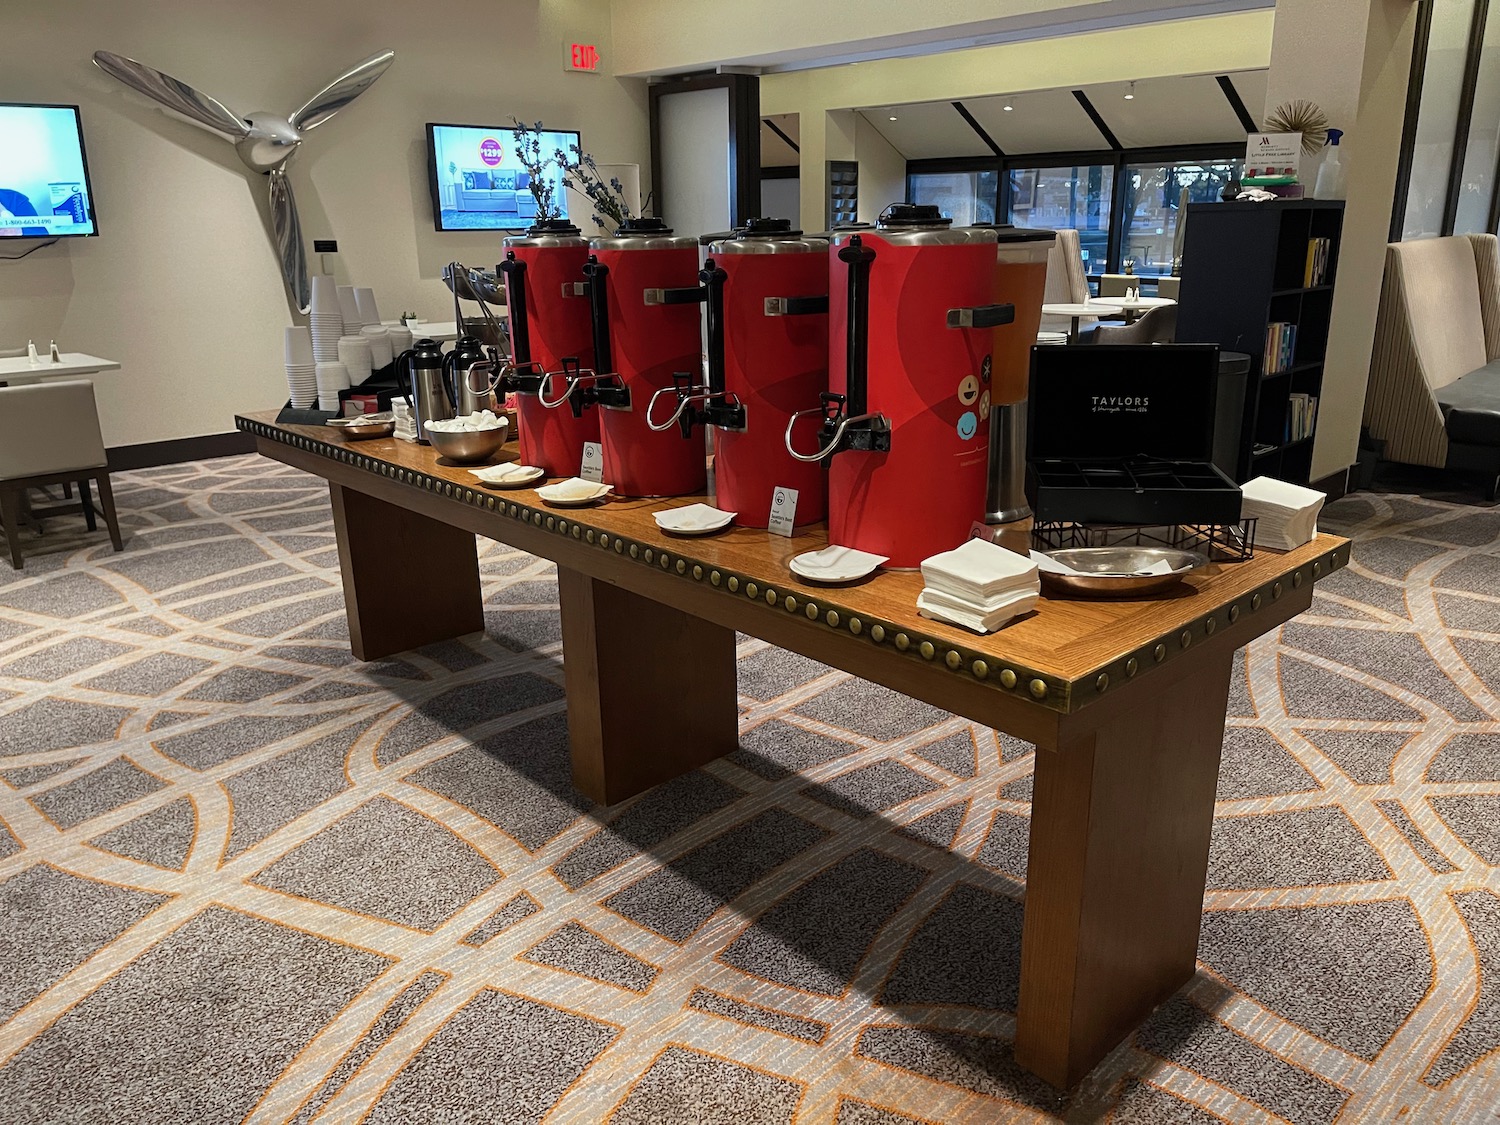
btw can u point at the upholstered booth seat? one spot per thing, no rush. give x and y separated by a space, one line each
1434 395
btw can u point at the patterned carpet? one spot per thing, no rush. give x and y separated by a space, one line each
246 877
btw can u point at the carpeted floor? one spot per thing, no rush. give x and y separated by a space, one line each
247 877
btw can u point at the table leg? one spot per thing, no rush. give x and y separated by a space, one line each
409 580
651 690
1120 826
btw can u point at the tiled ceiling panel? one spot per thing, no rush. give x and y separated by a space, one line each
1039 121
927 129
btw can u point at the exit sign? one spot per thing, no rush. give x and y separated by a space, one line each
581 56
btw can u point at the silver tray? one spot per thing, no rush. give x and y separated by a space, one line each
360 427
1113 572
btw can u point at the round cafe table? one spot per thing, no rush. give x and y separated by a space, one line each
1075 313
1132 307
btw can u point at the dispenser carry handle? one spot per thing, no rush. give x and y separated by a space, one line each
596 272
797 306
515 302
982 316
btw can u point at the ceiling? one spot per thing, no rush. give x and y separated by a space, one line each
1181 110
775 131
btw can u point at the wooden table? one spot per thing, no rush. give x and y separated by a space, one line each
1124 700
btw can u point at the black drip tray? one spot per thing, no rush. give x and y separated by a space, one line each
1131 492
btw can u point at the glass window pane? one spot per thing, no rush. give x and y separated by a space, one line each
1078 197
964 197
1153 197
1437 118
1484 135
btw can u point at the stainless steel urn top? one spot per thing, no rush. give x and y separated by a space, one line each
768 236
553 232
643 234
920 224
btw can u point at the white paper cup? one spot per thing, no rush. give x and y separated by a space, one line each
380 344
401 338
364 301
325 294
298 345
349 309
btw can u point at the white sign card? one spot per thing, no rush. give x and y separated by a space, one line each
783 511
1273 154
593 462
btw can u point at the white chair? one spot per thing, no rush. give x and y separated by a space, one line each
49 434
1067 281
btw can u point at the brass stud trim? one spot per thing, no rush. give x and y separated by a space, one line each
635 551
1317 569
562 526
833 619
1186 638
877 633
589 536
770 597
1210 625
811 610
665 560
1254 602
715 577
650 554
926 649
856 626
1007 678
1297 579
620 548
1159 653
980 669
1102 682
953 660
734 584
903 642
681 566
790 603
1132 666
551 523
1275 590
697 574
1038 689
1234 614
751 589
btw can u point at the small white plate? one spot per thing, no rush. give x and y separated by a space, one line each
575 492
510 476
836 564
693 519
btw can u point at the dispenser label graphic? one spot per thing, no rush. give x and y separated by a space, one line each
592 467
968 425
783 511
968 390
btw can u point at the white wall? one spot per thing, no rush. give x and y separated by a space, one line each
882 171
182 285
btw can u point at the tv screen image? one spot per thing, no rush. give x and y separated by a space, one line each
478 182
44 176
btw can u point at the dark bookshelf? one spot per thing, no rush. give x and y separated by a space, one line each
1243 269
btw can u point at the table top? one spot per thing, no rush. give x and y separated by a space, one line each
1134 303
1063 656
73 363
1078 310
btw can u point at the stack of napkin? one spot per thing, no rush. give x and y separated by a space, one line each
980 586
1286 515
406 421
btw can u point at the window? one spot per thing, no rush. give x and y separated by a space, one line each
1153 193
964 197
1076 197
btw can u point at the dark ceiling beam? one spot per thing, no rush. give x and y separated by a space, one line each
1099 123
1237 103
963 111
771 125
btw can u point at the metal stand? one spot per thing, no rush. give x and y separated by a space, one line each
1219 542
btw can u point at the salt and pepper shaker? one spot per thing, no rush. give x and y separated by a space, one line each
31 352
56 355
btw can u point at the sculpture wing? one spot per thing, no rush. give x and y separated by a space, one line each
340 92
170 92
287 230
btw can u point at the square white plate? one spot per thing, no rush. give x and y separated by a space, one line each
573 492
510 475
836 564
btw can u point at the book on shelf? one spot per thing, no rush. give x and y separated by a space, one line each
1281 347
1301 416
1316 270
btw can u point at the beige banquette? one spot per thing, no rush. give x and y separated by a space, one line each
1434 395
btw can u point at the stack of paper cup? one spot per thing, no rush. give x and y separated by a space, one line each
400 338
350 311
355 355
380 344
364 301
331 379
301 374
325 320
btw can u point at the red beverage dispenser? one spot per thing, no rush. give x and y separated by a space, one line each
551 345
767 355
905 424
644 298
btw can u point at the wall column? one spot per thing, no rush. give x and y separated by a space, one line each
1353 58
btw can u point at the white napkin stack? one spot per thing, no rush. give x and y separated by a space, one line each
1286 515
406 422
979 585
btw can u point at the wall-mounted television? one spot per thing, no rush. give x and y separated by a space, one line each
478 182
44 175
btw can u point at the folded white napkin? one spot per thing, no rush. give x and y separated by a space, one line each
1286 514
929 605
979 570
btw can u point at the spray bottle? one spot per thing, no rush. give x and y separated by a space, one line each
1330 184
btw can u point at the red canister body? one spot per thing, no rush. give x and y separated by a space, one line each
929 380
557 328
650 339
774 365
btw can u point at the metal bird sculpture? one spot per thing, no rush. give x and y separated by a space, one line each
264 141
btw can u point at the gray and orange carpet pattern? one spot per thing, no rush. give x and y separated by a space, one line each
243 876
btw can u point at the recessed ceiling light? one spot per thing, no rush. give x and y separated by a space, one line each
1130 93
1008 107
893 117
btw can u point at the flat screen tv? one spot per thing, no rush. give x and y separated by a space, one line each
478 182
44 175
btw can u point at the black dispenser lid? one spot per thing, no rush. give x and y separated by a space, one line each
913 215
553 227
642 227
768 228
